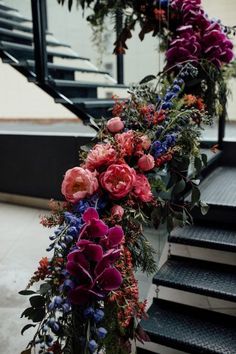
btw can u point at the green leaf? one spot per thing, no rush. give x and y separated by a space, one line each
204 208
179 187
147 79
38 314
27 292
27 351
173 179
27 327
195 196
27 313
37 301
44 288
204 159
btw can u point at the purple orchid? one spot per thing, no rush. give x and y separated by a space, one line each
94 271
185 47
91 263
198 37
113 238
93 227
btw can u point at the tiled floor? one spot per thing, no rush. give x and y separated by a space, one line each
23 243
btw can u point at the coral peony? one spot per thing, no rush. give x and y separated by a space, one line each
115 125
125 142
142 189
101 155
78 183
146 162
118 180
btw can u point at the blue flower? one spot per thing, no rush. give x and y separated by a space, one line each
101 332
98 315
166 105
92 346
88 312
72 231
176 88
66 307
164 3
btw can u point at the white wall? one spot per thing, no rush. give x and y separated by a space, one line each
21 99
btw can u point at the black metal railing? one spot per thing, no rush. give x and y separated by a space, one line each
39 16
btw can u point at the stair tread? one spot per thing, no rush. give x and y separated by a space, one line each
18 25
219 188
16 16
190 329
205 236
197 276
27 36
7 8
89 102
53 66
71 83
14 46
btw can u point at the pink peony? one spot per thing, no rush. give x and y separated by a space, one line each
118 180
117 211
115 125
78 183
125 142
146 162
101 155
142 189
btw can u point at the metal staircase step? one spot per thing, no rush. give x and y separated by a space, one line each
190 329
73 89
9 24
60 71
4 7
22 37
16 17
204 236
196 276
219 191
24 52
71 83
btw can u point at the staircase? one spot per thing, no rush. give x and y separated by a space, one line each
34 157
205 273
72 80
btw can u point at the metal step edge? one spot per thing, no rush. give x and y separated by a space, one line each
188 328
7 46
205 267
181 236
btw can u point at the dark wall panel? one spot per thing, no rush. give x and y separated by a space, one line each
35 165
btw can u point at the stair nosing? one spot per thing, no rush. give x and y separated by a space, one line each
193 288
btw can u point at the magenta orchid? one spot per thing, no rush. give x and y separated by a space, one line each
91 264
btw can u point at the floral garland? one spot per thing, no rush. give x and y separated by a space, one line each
89 298
137 172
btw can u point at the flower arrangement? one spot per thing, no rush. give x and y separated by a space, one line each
88 301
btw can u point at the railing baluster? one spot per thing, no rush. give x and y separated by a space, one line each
120 57
40 46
